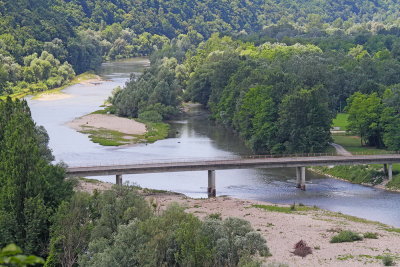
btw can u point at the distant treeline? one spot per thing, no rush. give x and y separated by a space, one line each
280 98
83 32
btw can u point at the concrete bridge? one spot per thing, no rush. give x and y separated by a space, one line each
299 162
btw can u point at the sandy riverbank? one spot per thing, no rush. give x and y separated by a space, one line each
57 94
108 122
283 230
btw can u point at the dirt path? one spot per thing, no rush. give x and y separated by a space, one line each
341 150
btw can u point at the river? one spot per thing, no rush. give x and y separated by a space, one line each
197 137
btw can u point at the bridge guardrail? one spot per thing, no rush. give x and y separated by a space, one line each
237 157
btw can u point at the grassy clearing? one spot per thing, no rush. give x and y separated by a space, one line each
341 121
353 144
292 208
368 174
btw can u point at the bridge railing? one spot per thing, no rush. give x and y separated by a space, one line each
226 158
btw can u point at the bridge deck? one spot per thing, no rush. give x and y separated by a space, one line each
224 164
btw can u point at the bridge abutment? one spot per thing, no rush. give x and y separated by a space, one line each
211 184
118 179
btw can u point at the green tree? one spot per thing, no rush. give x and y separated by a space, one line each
31 188
364 118
305 121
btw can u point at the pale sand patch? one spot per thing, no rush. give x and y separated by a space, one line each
89 187
92 82
283 230
53 96
108 122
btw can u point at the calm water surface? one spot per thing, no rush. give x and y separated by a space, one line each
197 137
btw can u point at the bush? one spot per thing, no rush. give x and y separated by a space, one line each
387 260
176 238
346 236
150 116
370 235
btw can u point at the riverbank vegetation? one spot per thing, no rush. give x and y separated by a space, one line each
105 137
373 174
280 98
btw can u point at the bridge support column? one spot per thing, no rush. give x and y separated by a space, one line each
211 184
303 178
298 177
390 171
118 179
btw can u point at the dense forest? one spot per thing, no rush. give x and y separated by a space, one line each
280 98
81 33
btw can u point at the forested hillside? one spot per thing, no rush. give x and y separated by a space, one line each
82 33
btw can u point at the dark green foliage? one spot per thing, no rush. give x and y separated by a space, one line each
305 121
346 236
177 238
118 228
155 91
151 116
388 260
88 218
30 187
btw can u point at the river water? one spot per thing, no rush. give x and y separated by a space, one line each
197 137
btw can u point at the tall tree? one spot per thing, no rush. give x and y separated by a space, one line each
364 118
30 187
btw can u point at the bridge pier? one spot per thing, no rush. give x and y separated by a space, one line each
301 178
298 177
211 184
390 171
118 179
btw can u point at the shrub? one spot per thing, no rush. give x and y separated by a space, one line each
216 216
150 116
346 236
302 249
370 235
387 260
